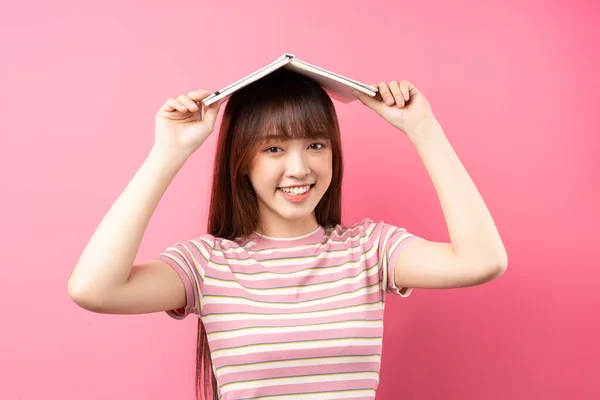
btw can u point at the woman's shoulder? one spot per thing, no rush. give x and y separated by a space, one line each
207 241
363 226
354 225
216 242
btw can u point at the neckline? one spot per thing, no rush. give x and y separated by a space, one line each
264 241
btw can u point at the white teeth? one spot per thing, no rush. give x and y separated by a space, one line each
296 190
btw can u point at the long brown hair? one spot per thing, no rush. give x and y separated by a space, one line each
284 105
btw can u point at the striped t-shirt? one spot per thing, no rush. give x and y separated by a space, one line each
298 318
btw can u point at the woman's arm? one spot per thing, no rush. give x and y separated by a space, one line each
105 279
476 253
100 279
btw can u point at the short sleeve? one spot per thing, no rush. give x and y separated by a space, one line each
391 241
190 260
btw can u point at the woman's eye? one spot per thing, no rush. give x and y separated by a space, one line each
275 149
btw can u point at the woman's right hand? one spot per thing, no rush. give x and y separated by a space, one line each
184 123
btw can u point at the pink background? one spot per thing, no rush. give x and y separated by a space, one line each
514 83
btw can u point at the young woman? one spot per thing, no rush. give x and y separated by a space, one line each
289 300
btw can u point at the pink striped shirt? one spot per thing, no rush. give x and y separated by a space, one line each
298 318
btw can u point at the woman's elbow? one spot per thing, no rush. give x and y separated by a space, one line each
497 268
84 296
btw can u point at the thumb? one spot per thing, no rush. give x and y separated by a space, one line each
212 111
368 101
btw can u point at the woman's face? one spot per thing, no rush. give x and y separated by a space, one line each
281 171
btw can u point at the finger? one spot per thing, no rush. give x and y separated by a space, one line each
386 95
412 90
368 101
189 103
173 105
378 93
405 89
212 111
223 100
395 89
198 95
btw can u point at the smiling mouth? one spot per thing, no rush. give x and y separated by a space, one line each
297 186
296 190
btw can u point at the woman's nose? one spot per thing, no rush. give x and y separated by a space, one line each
297 165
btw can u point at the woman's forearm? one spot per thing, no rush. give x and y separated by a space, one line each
107 260
472 230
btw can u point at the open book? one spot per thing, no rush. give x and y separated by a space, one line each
337 86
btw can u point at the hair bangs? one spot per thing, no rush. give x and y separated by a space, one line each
294 119
283 105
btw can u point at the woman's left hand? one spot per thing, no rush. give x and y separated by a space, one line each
399 103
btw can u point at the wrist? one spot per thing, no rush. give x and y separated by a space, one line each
424 128
167 157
